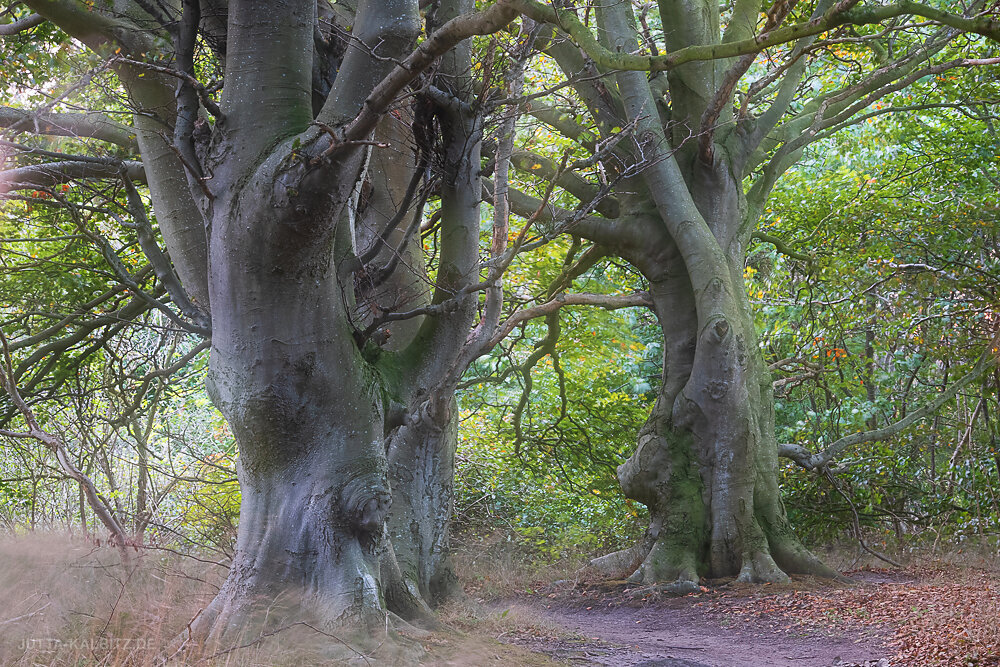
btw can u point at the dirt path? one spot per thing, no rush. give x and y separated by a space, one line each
684 632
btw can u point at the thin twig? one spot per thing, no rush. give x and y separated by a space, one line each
857 523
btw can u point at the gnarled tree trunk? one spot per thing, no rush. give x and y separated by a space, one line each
422 471
706 460
306 414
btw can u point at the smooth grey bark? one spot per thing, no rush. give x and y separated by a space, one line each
313 404
706 463
260 210
420 440
285 370
259 232
421 472
421 448
287 377
706 460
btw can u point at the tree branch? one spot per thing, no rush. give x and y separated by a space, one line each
567 21
140 393
383 33
723 96
101 33
56 446
606 301
21 25
821 460
485 22
268 91
56 173
781 246
544 168
91 124
159 261
590 227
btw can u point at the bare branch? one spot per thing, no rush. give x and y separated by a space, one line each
185 77
606 301
55 444
821 460
159 261
48 175
91 124
484 22
568 22
21 25
542 167
140 393
775 15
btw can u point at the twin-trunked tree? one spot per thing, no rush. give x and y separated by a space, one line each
706 460
290 212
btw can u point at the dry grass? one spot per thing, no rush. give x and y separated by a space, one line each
978 552
69 602
495 569
502 631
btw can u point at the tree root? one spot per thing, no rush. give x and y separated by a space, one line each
667 562
620 562
760 568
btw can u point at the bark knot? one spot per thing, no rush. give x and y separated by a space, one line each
721 329
717 389
365 502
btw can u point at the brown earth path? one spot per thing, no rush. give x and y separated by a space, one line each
613 626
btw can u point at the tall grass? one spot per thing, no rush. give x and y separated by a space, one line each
68 601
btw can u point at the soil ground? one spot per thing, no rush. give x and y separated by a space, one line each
678 634
75 604
808 623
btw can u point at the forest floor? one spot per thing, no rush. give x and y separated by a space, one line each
67 601
924 614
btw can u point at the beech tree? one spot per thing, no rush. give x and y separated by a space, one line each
717 134
289 209
265 199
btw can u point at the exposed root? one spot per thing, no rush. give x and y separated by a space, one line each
619 562
760 568
301 639
796 559
667 562
678 588
445 586
403 599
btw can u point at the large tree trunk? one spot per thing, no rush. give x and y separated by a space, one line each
422 473
306 412
286 370
420 440
706 464
421 446
706 461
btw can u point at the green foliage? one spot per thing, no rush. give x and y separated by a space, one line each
897 211
211 509
546 476
898 301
